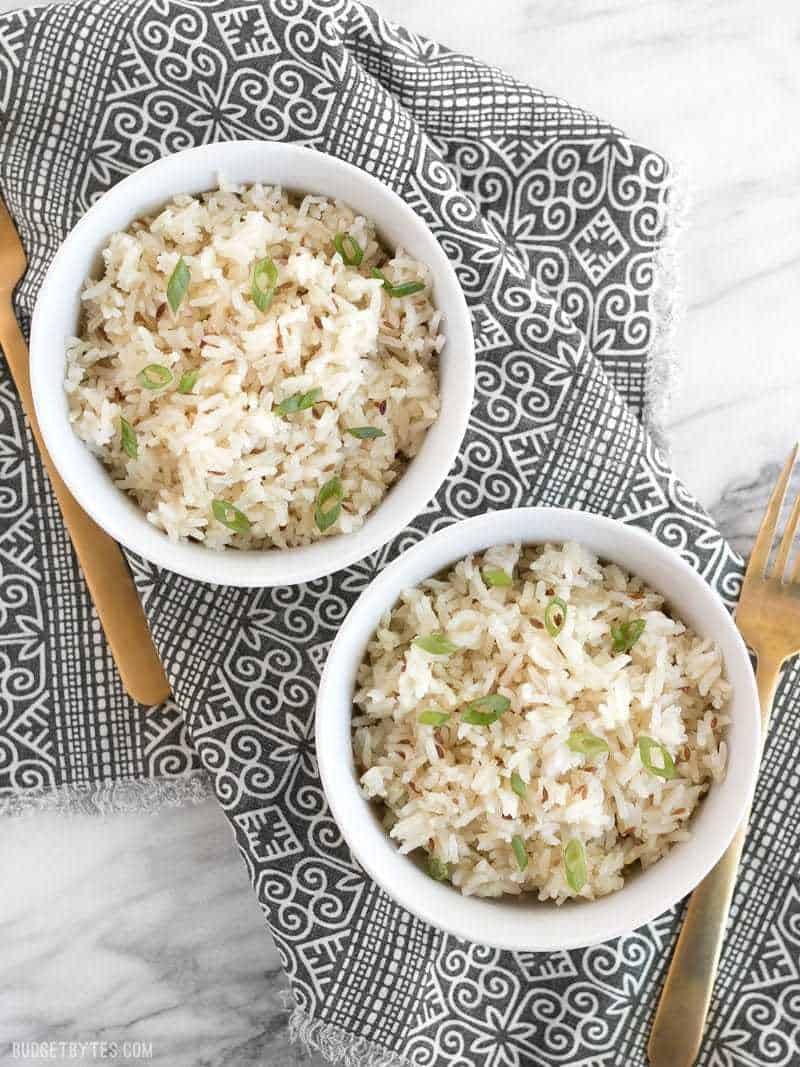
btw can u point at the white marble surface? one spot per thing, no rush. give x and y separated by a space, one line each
137 928
145 928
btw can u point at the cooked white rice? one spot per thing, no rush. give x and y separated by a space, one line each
329 327
447 790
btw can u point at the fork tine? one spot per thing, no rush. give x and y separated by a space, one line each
781 560
766 533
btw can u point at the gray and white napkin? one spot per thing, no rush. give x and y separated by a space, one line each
556 225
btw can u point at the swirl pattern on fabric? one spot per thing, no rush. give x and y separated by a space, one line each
553 221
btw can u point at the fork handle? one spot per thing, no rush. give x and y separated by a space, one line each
104 568
680 1017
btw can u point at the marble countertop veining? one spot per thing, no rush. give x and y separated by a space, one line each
144 927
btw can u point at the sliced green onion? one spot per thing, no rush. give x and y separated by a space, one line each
230 516
407 289
478 718
495 577
520 851
485 710
667 768
349 249
154 376
586 744
298 402
178 284
433 717
626 634
188 381
130 443
324 517
436 644
518 785
436 869
555 615
365 433
574 855
263 282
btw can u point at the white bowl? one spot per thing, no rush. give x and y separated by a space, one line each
523 922
56 317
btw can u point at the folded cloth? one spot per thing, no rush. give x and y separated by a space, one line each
555 224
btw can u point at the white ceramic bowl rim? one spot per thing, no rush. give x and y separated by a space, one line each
195 170
523 922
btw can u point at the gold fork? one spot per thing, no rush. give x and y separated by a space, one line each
768 616
103 564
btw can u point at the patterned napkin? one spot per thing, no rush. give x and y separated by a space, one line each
556 225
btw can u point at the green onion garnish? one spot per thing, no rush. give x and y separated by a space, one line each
667 769
263 282
129 441
586 744
349 249
433 717
178 284
407 289
154 376
555 615
479 718
324 517
520 851
485 710
575 864
188 381
437 870
495 577
298 402
518 785
626 634
436 644
365 433
230 516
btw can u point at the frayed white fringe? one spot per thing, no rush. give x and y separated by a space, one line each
124 796
337 1046
664 366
